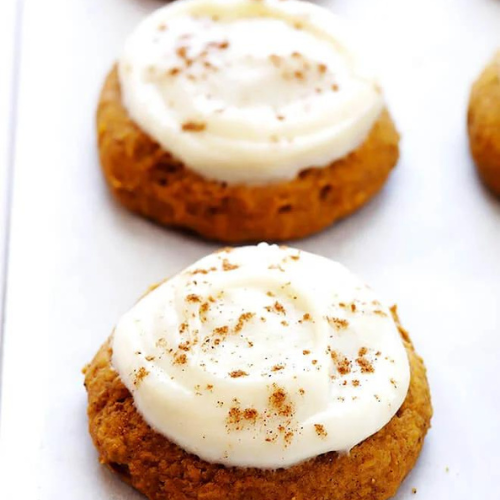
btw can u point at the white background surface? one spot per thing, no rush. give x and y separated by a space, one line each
8 68
77 261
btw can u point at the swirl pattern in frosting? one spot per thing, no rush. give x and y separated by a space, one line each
248 92
262 356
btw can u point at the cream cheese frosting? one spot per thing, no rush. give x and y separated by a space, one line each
246 91
262 356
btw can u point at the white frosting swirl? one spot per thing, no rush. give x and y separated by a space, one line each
246 91
262 356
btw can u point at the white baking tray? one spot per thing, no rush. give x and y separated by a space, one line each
77 261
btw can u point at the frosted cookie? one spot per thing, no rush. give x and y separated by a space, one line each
484 124
243 120
260 372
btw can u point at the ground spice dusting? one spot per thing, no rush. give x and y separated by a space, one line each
302 392
250 414
238 374
140 375
227 266
180 359
185 346
305 352
288 437
276 307
242 320
320 430
278 401
355 383
233 416
182 52
362 351
194 126
237 416
365 365
150 358
337 322
277 368
306 317
203 311
203 271
221 330
341 362
193 298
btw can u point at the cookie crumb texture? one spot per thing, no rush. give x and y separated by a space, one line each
163 471
484 124
150 181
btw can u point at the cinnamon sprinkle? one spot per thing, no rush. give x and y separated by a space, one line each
341 362
180 359
227 266
242 320
276 307
141 374
194 126
365 365
320 430
337 322
278 400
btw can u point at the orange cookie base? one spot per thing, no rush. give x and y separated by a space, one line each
162 471
150 181
484 124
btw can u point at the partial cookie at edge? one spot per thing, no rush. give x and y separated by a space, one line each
484 124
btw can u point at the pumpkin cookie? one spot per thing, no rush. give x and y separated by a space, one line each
205 125
484 124
260 373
